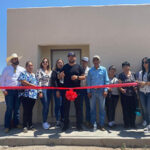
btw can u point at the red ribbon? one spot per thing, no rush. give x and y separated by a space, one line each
67 88
70 94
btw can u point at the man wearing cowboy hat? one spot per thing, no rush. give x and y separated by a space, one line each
9 77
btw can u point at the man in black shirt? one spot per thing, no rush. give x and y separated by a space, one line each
72 73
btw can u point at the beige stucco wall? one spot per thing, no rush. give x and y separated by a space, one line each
116 33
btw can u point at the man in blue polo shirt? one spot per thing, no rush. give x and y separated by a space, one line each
97 75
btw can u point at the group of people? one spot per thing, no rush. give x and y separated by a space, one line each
75 75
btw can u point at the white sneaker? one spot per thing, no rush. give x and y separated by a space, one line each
144 123
46 125
113 123
110 124
147 129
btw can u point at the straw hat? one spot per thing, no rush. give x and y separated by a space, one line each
14 55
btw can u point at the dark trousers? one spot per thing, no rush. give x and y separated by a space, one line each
129 107
59 106
77 104
84 97
111 103
28 104
12 108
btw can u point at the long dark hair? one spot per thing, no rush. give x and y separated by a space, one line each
55 68
41 64
148 75
143 68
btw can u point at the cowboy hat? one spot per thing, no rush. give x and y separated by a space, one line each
14 55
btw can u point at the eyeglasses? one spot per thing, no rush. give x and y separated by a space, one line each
45 62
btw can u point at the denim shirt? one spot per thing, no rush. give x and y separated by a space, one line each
97 77
31 78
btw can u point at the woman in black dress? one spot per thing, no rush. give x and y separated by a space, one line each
128 96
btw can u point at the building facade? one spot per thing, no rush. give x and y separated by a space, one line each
116 33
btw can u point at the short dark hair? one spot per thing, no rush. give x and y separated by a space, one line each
27 63
112 67
125 64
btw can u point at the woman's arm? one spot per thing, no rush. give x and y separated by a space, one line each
26 83
54 79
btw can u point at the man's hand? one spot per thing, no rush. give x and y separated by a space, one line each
109 89
142 84
5 93
74 77
57 94
123 90
40 95
89 95
105 94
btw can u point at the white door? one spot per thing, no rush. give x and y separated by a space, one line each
62 53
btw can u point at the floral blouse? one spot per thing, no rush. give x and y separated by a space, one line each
31 78
43 78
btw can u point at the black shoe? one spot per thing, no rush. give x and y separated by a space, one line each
91 126
87 124
65 128
79 128
101 128
133 126
126 126
31 128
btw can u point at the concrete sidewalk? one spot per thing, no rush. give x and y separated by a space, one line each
109 138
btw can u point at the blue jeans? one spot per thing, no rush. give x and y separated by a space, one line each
97 96
145 101
45 100
84 96
12 107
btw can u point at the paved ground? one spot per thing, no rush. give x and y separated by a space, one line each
67 148
54 132
111 138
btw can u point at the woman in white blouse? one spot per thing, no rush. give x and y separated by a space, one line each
44 76
144 83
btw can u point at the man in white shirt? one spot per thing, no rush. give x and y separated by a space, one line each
84 95
9 77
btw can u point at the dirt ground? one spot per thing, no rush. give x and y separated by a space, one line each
67 148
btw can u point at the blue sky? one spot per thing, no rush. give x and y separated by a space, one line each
4 4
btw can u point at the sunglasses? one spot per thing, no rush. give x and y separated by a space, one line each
45 62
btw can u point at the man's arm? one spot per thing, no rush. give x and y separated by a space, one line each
3 80
75 77
82 76
106 80
26 83
88 81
